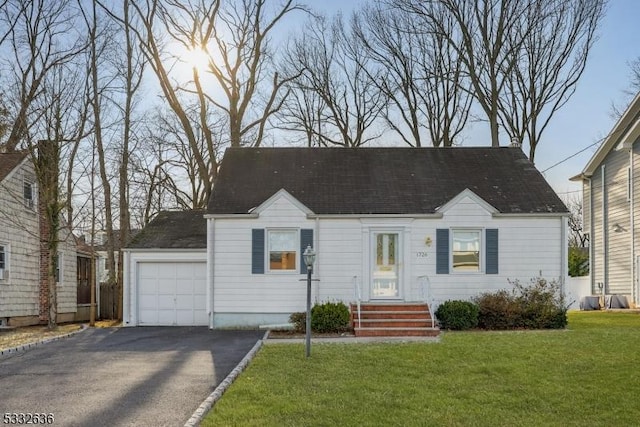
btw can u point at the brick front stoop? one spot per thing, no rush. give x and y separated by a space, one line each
393 320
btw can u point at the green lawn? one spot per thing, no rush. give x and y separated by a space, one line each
588 374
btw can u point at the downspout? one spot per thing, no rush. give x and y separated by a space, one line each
605 233
632 227
564 259
210 269
316 245
592 227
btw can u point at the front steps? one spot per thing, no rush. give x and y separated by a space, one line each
381 319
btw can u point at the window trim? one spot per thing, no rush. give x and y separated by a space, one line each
481 250
267 251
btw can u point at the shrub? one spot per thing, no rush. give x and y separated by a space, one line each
299 320
540 305
498 310
457 315
330 317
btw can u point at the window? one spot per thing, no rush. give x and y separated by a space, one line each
460 251
4 258
282 252
465 251
27 191
58 260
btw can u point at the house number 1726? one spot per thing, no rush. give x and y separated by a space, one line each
421 254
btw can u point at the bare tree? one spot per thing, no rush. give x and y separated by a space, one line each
523 57
40 37
41 82
235 37
577 237
487 36
558 37
423 79
332 66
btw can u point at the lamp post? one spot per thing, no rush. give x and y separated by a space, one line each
309 258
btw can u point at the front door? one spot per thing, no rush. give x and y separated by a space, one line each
386 271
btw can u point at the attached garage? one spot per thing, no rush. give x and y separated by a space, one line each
172 293
165 272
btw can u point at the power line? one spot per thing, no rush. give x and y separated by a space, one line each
575 154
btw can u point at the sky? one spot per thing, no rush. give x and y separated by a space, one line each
587 117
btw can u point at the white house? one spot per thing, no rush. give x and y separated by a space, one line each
23 288
389 225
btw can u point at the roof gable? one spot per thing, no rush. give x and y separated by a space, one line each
466 193
281 194
624 133
9 162
381 181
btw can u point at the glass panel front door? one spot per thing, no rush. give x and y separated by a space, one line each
385 265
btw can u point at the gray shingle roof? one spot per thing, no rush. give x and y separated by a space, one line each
173 230
9 161
381 180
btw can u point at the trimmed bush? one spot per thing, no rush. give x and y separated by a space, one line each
299 320
330 317
457 315
540 305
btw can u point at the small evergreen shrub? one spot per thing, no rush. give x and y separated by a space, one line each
457 315
540 305
330 317
299 320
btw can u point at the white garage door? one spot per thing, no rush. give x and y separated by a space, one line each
172 293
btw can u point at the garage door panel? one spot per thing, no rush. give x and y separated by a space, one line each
172 293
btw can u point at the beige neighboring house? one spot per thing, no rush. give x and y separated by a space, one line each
611 207
23 289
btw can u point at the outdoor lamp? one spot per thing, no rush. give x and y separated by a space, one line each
309 257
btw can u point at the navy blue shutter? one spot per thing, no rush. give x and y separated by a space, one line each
492 251
306 239
257 251
442 251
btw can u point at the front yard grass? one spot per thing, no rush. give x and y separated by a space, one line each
587 374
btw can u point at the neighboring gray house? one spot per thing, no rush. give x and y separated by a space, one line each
22 292
390 226
611 209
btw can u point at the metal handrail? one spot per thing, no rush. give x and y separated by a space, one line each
425 289
358 295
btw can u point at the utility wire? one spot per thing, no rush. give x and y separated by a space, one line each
575 154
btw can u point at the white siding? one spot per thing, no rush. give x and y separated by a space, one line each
528 246
19 229
236 290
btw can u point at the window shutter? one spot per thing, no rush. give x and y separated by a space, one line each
492 251
442 251
257 251
306 239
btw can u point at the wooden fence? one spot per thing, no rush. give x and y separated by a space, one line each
108 301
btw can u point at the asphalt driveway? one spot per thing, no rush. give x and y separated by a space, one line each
147 376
